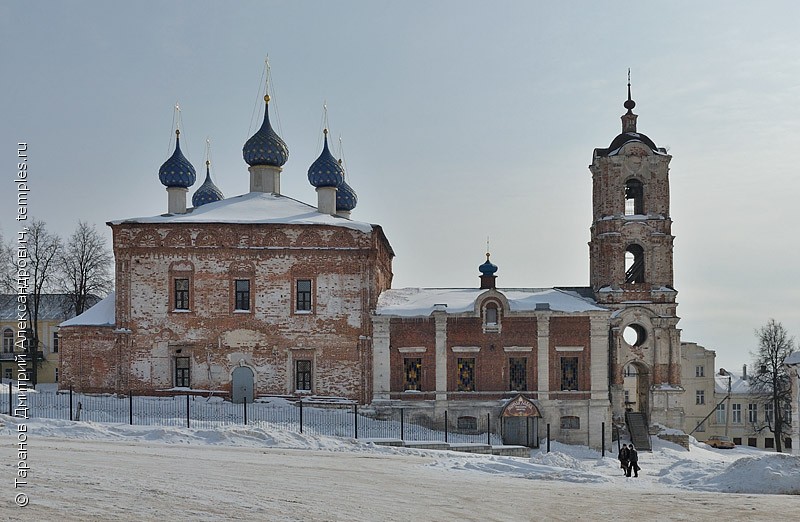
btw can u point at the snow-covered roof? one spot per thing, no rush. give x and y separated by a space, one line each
253 208
738 385
409 302
101 314
792 358
52 307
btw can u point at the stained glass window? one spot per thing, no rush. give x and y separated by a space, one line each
569 373
412 368
466 374
517 373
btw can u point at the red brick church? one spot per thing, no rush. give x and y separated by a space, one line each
261 294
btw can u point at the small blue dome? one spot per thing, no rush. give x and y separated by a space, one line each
487 268
265 147
346 198
326 171
208 192
177 171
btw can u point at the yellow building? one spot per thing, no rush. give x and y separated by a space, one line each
54 309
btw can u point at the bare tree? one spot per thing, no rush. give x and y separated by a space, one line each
44 251
85 267
8 269
771 379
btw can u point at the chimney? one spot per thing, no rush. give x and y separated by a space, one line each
744 372
326 200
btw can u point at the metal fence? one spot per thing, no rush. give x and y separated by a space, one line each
333 418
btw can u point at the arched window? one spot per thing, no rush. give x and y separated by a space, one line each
634 197
8 340
491 314
634 264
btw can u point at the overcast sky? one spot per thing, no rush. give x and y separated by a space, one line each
460 120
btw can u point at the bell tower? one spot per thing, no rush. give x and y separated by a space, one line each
631 271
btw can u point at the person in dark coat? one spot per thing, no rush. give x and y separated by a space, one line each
623 459
633 461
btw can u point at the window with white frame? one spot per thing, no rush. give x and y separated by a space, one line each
721 413
736 413
699 371
768 413
55 343
752 413
700 397
8 340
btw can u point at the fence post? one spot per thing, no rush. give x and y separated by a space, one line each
245 411
489 429
301 415
603 438
445 425
187 410
355 412
10 399
130 406
548 437
402 430
70 402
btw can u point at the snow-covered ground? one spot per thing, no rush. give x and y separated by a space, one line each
93 471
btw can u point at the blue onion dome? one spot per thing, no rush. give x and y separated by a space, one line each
326 171
487 268
346 199
208 192
177 171
265 147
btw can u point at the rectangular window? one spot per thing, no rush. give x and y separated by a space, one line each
700 397
752 441
56 374
8 340
721 413
570 423
702 427
699 371
768 413
769 443
569 373
466 374
752 413
517 372
303 295
737 441
181 294
736 412
182 372
627 396
302 375
55 343
7 373
412 371
242 294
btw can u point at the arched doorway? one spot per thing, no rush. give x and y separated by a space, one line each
520 418
242 385
636 387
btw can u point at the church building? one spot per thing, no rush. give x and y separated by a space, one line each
261 294
258 294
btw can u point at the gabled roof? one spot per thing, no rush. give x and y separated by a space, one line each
101 314
52 307
410 302
254 208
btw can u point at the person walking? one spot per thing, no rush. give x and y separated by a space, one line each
623 459
633 461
